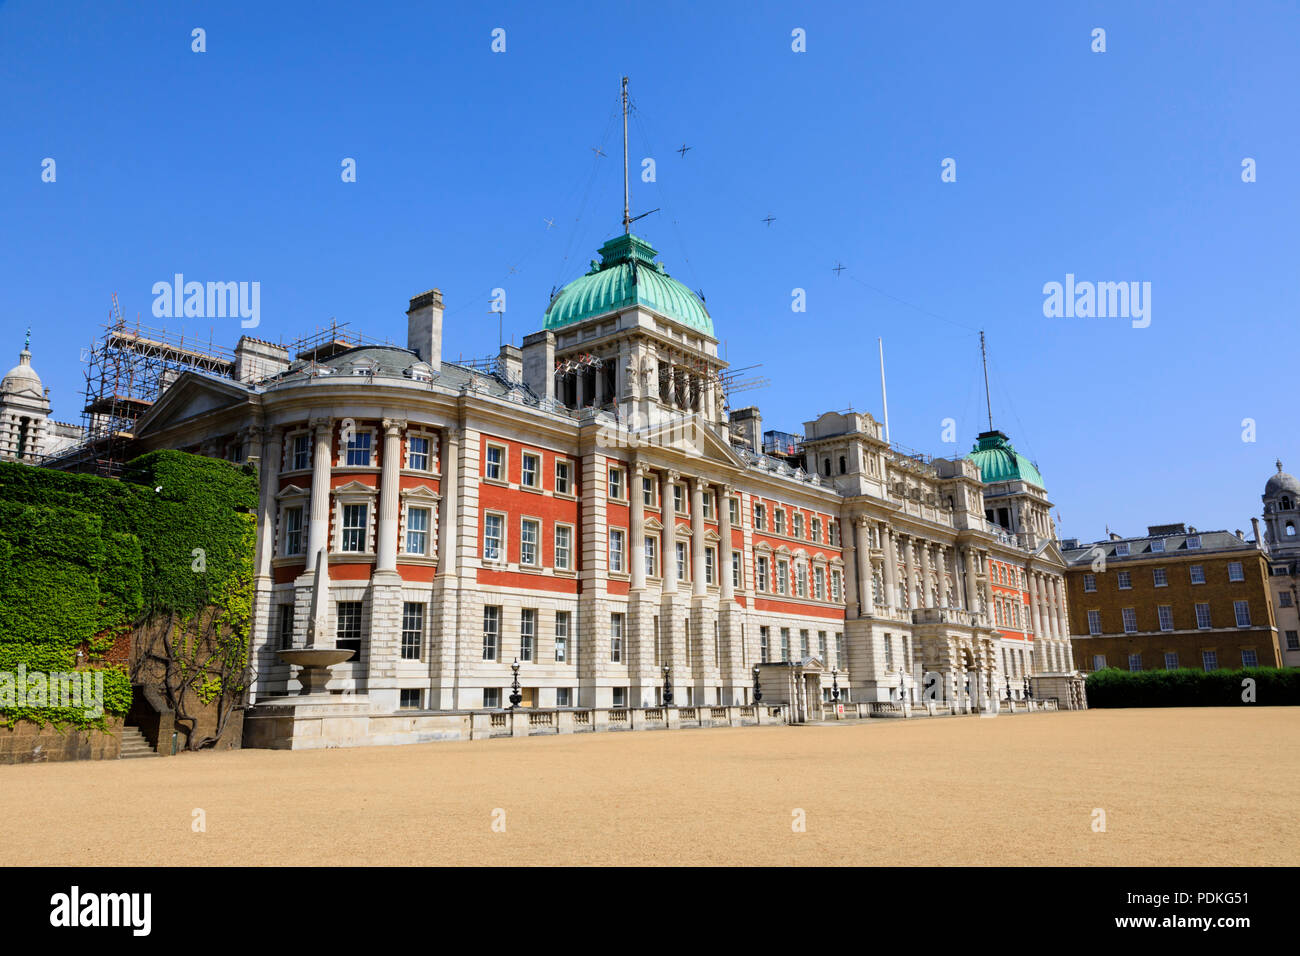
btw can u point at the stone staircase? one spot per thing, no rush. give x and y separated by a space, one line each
135 745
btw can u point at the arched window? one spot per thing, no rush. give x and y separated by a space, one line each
844 467
827 466
1290 529
1286 503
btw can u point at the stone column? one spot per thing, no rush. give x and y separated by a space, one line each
722 502
389 486
318 525
972 603
668 546
698 587
865 597
909 570
269 471
636 509
927 575
1062 625
891 569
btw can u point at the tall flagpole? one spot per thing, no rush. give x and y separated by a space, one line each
884 398
627 196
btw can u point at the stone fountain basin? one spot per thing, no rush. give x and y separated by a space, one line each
315 656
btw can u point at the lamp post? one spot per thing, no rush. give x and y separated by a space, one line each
1028 693
758 689
515 696
835 685
668 686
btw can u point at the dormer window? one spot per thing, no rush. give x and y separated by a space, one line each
1121 549
1157 546
1194 542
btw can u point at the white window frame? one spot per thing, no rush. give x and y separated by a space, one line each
762 573
536 524
502 467
1194 542
1236 572
1160 577
1165 613
1122 550
710 565
1157 546
565 552
618 554
1089 583
503 550
617 631
408 530
1124 580
347 448
527 635
291 444
430 456
1196 573
1130 618
681 554
564 476
1209 618
495 635
563 623
1241 613
617 483
650 555
536 458
1094 622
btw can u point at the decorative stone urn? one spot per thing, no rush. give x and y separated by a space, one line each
315 663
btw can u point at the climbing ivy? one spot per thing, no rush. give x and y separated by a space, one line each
85 559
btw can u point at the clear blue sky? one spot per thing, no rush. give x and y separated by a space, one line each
1115 166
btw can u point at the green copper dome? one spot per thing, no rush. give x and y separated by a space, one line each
627 275
998 461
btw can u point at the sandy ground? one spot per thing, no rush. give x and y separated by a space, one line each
1192 787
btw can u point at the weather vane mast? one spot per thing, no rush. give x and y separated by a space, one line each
627 195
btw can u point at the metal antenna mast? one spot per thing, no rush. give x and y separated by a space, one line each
627 196
988 402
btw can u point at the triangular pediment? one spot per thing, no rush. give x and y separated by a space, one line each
294 491
355 487
190 396
653 524
423 492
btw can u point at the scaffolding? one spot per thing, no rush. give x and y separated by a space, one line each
126 369
329 340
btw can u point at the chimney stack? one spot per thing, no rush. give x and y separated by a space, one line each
539 364
510 363
424 327
1259 542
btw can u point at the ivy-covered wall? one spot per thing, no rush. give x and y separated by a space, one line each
84 560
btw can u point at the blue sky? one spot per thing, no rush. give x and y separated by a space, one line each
1115 166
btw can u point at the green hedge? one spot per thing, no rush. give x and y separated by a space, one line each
84 558
1112 687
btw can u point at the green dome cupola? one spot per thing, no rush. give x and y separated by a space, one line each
627 275
998 461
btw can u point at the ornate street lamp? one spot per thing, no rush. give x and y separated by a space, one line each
1028 693
758 690
515 696
668 686
835 686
